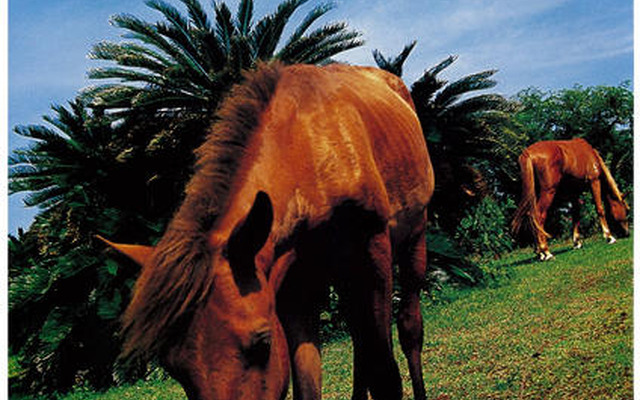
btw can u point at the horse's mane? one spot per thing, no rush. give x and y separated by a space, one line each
179 275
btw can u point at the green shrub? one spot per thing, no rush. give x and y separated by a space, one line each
447 260
484 229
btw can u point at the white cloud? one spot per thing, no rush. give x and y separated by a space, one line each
519 38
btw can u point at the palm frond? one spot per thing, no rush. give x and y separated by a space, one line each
194 57
170 100
114 95
271 28
330 47
180 33
311 17
45 198
433 71
452 92
244 16
240 56
302 50
225 28
170 13
478 104
130 55
128 75
37 132
394 66
198 15
147 33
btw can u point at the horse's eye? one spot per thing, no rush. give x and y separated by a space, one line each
257 354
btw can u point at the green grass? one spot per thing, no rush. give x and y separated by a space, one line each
555 330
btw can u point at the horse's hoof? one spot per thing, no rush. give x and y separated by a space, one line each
577 245
546 256
611 240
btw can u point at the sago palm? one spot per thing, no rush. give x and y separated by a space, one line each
454 120
171 76
465 132
67 160
63 299
190 59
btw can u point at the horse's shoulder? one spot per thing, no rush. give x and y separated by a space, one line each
354 76
581 141
394 82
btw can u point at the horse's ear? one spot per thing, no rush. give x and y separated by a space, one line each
252 233
138 253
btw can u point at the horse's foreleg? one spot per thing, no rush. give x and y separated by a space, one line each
367 298
304 348
299 313
412 263
597 199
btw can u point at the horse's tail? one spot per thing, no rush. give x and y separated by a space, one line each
609 179
527 207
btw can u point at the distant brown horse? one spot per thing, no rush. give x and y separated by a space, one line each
576 165
311 177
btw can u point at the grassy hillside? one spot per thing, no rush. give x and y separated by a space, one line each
555 330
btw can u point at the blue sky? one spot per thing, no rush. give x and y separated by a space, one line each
549 44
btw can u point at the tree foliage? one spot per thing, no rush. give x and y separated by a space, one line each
65 298
602 115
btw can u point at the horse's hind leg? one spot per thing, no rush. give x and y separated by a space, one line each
575 216
366 294
412 262
596 190
544 202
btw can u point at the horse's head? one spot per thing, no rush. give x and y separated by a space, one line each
232 346
618 209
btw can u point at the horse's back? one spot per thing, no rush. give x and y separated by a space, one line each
347 133
575 157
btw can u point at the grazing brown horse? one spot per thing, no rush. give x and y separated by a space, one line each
311 177
576 165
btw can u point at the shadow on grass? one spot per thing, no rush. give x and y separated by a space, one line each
534 259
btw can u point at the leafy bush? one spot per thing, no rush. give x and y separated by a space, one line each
484 229
447 261
65 299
